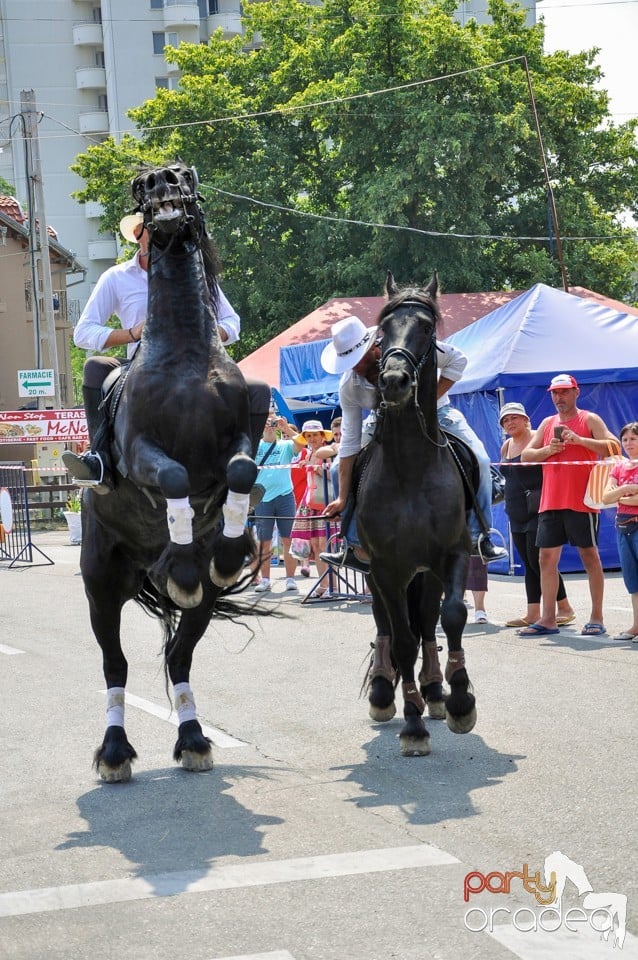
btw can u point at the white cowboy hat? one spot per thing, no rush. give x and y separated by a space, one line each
128 225
351 340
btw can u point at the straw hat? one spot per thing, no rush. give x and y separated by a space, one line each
312 426
129 224
351 340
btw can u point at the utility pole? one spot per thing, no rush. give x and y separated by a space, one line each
39 238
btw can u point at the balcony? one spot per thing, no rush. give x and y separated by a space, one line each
93 210
180 13
229 22
90 78
94 121
102 250
88 34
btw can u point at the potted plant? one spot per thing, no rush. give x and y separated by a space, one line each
73 516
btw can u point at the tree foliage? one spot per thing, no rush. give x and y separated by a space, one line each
362 112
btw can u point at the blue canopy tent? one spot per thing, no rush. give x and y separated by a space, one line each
305 389
513 353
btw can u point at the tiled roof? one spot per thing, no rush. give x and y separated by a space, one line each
11 208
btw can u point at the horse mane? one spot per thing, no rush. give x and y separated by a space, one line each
412 295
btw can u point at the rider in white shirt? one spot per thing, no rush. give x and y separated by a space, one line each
355 353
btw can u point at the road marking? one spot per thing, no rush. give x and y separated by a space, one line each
219 738
583 944
221 877
274 955
10 651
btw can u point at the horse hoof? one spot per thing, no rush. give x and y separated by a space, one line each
184 600
461 724
219 580
381 714
436 709
414 746
197 762
121 774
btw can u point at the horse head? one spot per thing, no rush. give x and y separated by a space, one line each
407 325
168 199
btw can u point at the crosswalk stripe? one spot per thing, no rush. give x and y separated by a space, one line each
222 740
9 651
583 944
221 877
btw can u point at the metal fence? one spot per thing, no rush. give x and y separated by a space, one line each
15 525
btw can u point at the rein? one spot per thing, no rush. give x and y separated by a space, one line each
416 365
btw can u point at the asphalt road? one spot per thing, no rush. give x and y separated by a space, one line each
311 839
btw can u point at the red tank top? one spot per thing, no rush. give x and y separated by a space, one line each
564 487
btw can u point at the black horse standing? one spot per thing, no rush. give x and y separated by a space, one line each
411 520
182 447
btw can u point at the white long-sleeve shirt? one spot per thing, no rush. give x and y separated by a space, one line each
123 290
356 394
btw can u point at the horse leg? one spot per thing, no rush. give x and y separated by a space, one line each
380 679
425 588
192 748
460 705
233 545
176 572
113 758
414 739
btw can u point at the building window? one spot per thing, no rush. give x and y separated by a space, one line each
172 39
157 4
99 58
159 42
102 102
213 7
161 82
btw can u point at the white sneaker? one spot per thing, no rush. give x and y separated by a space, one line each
291 586
263 586
480 616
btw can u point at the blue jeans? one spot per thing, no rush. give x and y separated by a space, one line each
627 541
351 533
453 421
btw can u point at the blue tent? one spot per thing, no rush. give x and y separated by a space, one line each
513 353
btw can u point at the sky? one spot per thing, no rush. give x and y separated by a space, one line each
612 25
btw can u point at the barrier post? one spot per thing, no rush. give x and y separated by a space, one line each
16 544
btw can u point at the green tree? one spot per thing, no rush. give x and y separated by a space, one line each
298 152
6 189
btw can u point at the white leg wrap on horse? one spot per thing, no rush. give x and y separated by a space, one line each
115 707
184 702
180 517
235 514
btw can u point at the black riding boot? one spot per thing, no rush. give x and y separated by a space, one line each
92 469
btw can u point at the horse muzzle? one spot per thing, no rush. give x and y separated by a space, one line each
396 387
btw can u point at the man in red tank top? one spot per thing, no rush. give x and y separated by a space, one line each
571 434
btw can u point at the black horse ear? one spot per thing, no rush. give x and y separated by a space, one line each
390 288
433 286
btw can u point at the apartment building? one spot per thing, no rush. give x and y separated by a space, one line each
88 62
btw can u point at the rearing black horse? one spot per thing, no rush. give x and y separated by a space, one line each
411 520
182 446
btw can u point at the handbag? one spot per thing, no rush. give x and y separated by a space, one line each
533 498
599 476
498 485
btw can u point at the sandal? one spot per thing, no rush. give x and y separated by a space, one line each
592 629
538 630
521 622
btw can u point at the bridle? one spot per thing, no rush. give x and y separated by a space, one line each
416 365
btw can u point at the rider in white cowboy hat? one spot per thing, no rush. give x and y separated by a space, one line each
123 290
355 353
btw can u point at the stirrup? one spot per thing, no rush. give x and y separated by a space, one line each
101 485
